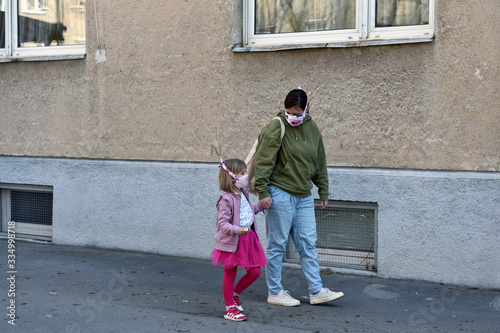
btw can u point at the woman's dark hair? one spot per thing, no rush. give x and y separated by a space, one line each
296 97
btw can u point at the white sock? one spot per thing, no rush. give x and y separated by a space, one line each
229 307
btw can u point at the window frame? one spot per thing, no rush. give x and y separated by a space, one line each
11 52
364 34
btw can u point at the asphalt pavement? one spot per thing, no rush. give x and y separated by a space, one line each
56 288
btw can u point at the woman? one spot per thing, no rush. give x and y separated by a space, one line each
285 171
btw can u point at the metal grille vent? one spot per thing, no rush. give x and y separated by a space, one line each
346 236
30 207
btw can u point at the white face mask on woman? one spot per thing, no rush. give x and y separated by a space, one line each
296 120
242 182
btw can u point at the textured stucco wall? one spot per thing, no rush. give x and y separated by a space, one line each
434 226
170 87
439 226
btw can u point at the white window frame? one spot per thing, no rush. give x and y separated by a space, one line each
364 34
12 52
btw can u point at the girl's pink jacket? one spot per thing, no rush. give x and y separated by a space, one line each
228 220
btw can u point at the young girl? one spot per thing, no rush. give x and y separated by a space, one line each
237 243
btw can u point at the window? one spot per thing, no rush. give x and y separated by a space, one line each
35 6
282 24
42 29
29 208
346 236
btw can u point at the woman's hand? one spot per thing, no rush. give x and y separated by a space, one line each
324 203
243 231
265 203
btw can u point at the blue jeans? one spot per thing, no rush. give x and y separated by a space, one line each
291 216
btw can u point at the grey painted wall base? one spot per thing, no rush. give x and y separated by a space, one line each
432 225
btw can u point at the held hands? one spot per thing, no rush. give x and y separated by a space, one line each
265 203
243 231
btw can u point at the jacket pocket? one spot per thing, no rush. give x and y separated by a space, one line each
286 169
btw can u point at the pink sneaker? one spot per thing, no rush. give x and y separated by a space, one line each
234 314
237 302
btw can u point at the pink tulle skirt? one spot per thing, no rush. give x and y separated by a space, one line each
249 253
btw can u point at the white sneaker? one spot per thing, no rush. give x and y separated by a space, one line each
325 295
283 298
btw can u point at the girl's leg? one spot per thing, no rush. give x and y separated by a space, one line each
246 280
228 285
232 312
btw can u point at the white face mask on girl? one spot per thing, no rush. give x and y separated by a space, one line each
242 182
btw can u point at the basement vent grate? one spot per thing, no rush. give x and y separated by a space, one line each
30 207
346 236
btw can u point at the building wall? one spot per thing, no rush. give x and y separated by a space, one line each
125 138
432 225
170 86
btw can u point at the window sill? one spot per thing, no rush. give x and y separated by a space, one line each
267 48
43 58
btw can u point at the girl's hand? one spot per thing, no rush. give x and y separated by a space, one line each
265 203
243 231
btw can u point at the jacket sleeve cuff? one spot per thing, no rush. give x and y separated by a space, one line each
234 229
324 197
263 195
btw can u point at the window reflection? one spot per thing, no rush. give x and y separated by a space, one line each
35 5
2 24
51 22
285 16
402 12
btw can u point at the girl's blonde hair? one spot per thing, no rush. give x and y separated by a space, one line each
225 179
